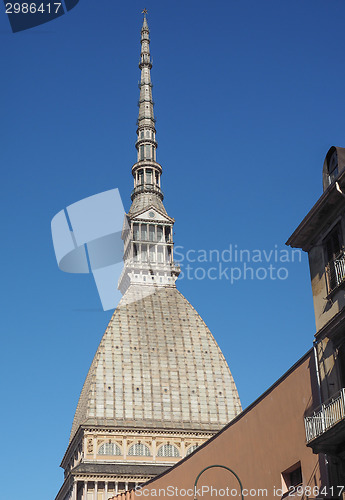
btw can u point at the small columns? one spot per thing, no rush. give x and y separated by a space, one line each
146 141
74 491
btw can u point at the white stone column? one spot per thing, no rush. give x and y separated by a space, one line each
95 493
154 449
85 491
126 485
74 491
124 448
116 487
106 490
94 447
183 448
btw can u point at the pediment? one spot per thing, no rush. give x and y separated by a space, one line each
152 214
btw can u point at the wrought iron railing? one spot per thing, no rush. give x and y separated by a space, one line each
336 272
326 416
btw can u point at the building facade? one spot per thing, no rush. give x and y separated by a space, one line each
158 386
322 235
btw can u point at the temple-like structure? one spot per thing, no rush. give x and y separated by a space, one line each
159 385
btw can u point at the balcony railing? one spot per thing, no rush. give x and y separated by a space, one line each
336 272
147 188
325 417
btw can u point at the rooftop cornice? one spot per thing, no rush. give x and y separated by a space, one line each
313 223
129 431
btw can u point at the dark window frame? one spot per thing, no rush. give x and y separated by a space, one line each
333 255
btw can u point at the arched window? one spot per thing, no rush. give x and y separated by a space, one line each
333 166
191 449
139 450
168 450
109 449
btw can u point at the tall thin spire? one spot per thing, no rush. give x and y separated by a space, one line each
146 171
148 245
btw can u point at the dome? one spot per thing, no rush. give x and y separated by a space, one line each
157 366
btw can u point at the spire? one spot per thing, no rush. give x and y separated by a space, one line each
148 245
146 171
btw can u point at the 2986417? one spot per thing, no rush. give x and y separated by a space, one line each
33 8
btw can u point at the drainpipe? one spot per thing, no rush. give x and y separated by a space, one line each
320 401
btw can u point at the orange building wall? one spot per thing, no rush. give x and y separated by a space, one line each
263 441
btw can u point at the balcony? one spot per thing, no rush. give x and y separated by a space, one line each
147 188
336 272
325 428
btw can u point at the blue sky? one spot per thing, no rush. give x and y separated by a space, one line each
249 98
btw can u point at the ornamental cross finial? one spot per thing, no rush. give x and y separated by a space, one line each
145 11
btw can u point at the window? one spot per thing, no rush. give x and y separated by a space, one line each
149 176
148 154
292 477
109 449
141 177
160 255
159 233
167 233
144 232
135 252
191 449
139 450
332 166
136 232
141 150
152 254
168 450
334 256
341 361
296 477
144 253
152 233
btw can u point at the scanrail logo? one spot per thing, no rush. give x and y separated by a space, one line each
87 239
206 491
235 264
24 15
200 492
